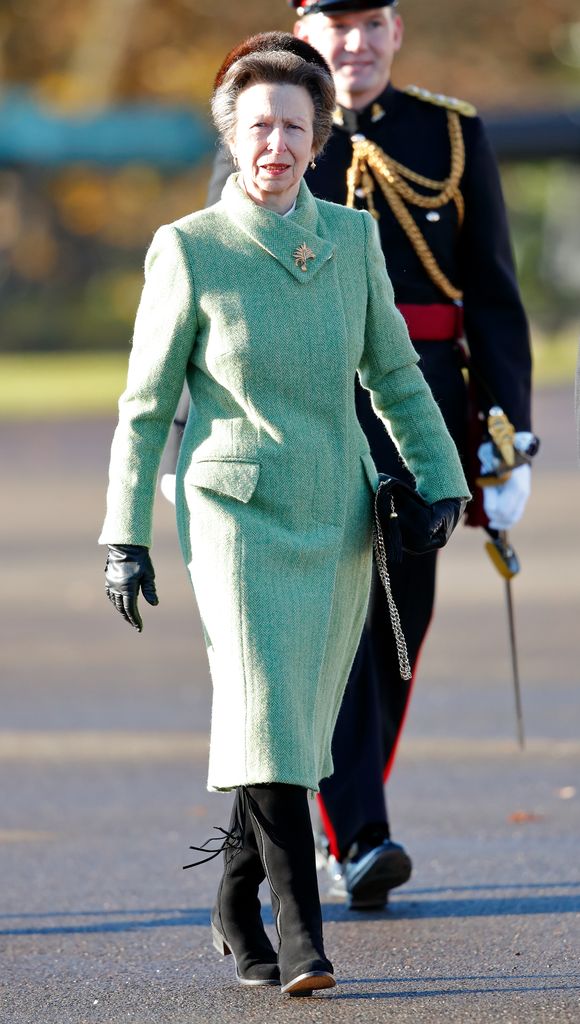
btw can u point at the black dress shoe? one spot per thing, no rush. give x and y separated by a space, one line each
370 872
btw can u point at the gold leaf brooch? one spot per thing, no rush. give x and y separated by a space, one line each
301 255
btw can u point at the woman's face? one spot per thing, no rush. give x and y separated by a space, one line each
273 142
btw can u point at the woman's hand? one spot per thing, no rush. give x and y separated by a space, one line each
128 570
445 515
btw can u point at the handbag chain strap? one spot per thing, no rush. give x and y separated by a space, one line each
383 570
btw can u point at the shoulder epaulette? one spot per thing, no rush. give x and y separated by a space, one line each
438 100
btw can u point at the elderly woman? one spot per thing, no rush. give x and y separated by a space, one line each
268 303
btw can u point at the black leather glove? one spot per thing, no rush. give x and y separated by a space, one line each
128 570
409 523
445 515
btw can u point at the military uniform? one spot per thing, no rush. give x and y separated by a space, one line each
423 165
465 239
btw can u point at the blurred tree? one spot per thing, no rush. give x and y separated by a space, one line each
71 242
495 52
71 250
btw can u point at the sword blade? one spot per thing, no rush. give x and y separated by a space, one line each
515 668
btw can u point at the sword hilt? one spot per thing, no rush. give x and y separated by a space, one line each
502 433
509 449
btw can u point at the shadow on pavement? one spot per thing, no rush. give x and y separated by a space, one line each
478 906
102 921
511 886
429 993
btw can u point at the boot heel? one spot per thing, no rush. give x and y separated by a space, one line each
219 942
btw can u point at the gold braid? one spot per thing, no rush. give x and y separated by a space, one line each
390 176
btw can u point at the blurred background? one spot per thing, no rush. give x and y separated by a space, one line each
104 134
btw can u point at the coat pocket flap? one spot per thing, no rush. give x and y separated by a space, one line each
235 479
370 469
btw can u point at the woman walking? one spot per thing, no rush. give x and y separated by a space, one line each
268 303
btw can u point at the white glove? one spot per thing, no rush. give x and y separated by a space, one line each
504 505
167 485
490 459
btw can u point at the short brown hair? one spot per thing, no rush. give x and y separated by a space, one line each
282 66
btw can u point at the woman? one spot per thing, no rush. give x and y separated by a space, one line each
268 303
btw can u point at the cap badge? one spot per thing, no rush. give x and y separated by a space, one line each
301 255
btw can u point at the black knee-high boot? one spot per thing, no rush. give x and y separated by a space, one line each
283 830
236 920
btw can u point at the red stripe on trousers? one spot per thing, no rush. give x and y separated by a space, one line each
328 828
390 762
326 821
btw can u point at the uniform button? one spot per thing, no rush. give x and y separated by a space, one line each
433 216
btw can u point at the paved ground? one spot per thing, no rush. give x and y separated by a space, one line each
103 750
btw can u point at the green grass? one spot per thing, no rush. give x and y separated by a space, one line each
53 385
555 357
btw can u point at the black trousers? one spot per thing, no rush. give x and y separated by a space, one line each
374 705
376 699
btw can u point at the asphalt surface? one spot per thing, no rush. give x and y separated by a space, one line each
103 748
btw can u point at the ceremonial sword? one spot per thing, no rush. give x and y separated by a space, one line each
498 546
507 564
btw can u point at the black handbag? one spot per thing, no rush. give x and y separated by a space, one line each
402 516
404 521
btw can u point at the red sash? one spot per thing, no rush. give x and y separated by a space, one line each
438 322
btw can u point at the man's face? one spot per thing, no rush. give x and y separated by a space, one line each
359 47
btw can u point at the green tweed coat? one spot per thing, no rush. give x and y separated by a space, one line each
275 478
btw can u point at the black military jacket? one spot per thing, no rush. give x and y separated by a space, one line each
476 257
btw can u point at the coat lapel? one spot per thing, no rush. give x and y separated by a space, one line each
293 241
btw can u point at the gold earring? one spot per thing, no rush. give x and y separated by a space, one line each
313 164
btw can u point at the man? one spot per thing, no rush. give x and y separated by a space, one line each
422 165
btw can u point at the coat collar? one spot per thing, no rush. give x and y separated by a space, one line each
282 237
353 121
